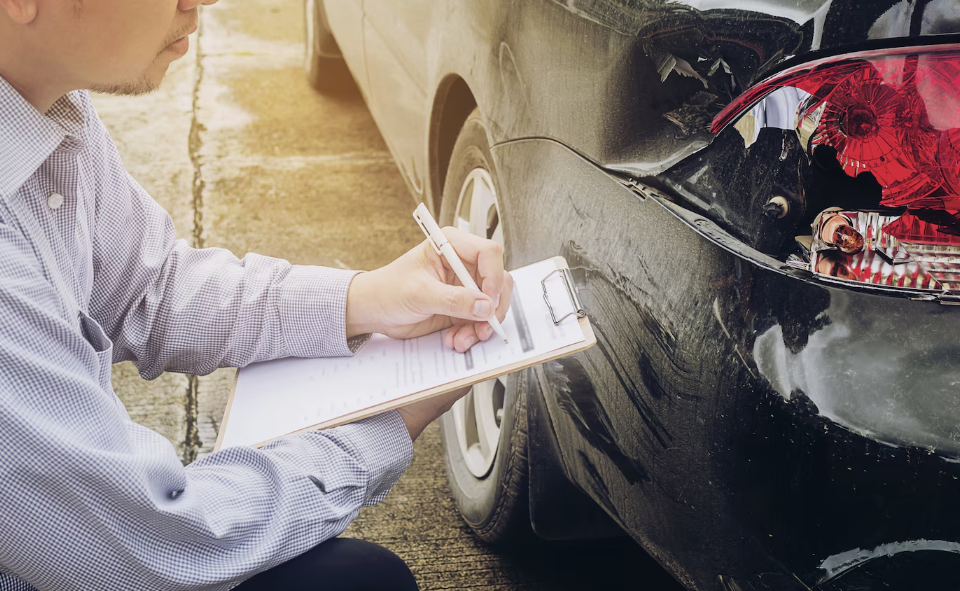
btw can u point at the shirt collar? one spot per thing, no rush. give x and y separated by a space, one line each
28 137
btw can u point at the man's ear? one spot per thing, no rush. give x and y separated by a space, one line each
21 12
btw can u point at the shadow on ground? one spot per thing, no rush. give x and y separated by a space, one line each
608 564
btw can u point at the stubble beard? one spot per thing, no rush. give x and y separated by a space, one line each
138 87
144 83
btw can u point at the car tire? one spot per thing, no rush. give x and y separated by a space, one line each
494 505
326 70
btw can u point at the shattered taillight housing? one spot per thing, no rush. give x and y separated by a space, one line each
895 115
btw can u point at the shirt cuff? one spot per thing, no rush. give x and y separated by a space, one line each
383 445
313 313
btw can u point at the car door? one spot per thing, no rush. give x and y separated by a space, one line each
395 40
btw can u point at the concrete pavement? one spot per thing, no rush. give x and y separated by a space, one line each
246 156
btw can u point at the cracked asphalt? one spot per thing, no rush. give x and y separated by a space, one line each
244 155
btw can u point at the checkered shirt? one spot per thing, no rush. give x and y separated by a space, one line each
89 499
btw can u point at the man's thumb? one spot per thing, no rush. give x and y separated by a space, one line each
461 302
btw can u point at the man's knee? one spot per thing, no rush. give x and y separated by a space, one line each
386 570
344 564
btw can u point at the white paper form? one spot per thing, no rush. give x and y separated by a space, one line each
274 398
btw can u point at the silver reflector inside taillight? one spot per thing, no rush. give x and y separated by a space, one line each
898 251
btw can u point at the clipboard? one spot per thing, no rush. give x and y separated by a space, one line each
577 310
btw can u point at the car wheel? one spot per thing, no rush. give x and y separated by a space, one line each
323 62
485 433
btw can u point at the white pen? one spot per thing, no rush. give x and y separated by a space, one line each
443 247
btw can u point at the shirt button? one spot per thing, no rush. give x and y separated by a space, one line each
54 201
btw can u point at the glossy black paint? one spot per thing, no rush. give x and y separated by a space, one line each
751 427
559 510
683 427
587 72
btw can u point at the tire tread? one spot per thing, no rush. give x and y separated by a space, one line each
501 516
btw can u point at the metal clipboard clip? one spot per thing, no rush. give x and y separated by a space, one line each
578 310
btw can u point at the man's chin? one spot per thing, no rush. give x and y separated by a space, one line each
145 84
137 88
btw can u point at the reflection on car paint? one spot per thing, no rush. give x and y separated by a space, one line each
576 398
860 372
838 564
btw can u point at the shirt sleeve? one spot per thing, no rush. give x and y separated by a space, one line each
91 500
169 307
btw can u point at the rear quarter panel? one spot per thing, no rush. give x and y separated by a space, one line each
704 421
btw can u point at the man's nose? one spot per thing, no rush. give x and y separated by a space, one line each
186 5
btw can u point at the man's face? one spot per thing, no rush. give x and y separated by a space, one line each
114 46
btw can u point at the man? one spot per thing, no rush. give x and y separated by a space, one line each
90 274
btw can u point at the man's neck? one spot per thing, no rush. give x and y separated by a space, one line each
21 73
41 99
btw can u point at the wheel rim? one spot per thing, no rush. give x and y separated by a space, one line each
309 9
477 415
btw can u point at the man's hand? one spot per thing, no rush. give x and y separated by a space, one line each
418 415
418 294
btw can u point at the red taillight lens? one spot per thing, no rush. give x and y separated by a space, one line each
948 152
866 121
894 114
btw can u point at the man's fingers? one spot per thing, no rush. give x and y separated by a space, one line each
484 330
465 337
484 260
503 305
458 302
486 256
481 330
448 337
490 270
461 337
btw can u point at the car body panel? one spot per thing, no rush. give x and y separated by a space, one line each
345 17
626 110
395 37
682 422
616 91
609 77
752 427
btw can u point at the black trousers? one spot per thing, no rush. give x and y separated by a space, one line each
340 564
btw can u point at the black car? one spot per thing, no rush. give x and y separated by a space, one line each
759 200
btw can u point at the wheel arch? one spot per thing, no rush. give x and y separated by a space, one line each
559 509
452 104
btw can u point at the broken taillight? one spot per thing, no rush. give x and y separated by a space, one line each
902 251
892 114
